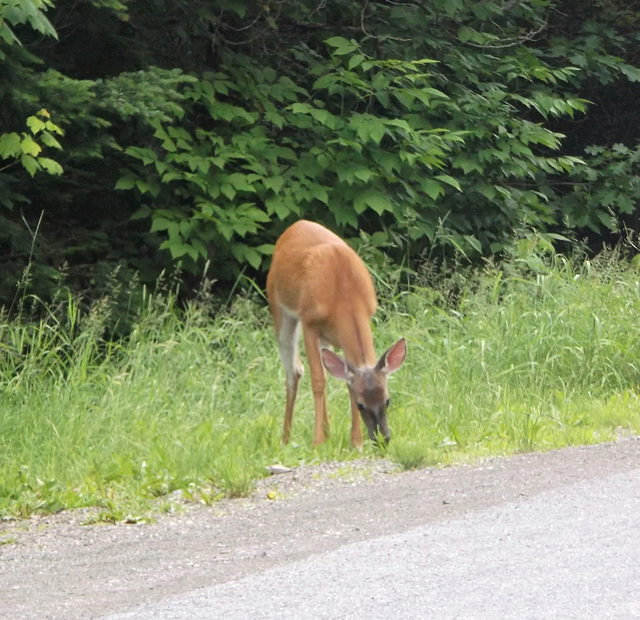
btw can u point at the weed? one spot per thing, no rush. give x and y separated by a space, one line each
410 454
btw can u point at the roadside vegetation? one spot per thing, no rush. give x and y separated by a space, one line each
539 353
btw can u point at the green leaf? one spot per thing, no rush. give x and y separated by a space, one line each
374 200
274 183
143 212
125 183
376 130
30 164
160 223
368 127
474 243
178 249
467 164
364 174
488 191
337 42
432 188
35 124
449 180
48 140
147 156
50 165
30 147
252 257
355 61
10 145
228 190
452 6
631 73
465 34
281 206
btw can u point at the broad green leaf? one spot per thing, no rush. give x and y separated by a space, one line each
323 117
147 187
30 164
465 34
30 147
474 243
10 145
177 249
364 174
228 190
488 191
632 73
7 35
275 184
355 60
200 250
342 45
321 195
449 180
35 124
252 257
452 6
50 165
374 200
376 130
160 223
467 164
48 140
147 156
142 213
125 183
179 133
266 249
432 188
282 206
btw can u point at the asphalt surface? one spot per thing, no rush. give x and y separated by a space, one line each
570 552
541 535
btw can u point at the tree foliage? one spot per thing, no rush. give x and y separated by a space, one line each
194 131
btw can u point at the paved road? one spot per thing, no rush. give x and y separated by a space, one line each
546 535
571 552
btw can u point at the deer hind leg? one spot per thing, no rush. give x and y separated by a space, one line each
318 385
288 329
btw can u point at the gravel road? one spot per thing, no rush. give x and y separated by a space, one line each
553 534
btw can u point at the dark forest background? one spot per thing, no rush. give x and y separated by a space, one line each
138 135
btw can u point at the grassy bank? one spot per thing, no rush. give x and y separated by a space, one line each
503 361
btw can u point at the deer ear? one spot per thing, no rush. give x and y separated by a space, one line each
393 357
336 366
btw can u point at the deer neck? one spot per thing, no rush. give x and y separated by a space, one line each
356 340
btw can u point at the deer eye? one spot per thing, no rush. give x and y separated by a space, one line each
361 407
387 403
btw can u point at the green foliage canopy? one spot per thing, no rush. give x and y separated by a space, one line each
443 126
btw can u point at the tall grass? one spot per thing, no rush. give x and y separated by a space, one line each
525 360
500 361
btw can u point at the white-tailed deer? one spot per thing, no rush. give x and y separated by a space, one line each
318 281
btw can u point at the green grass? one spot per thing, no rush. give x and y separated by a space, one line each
504 361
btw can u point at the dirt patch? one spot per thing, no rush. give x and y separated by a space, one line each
54 567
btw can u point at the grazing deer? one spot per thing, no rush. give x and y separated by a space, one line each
316 279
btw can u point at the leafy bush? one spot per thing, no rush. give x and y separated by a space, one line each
453 126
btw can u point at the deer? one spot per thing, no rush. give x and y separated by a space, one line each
318 282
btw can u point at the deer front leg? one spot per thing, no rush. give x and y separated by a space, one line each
318 385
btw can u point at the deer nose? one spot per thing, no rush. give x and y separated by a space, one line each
382 435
